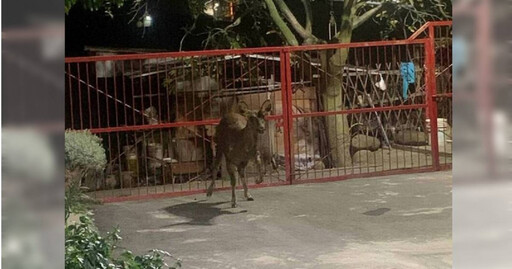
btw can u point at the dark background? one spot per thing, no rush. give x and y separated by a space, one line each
96 29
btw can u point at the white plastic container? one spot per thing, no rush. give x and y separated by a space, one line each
444 131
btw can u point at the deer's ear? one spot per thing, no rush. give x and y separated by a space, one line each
266 107
243 107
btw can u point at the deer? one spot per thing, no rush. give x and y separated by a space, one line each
237 140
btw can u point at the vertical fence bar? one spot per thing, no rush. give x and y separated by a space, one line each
88 95
430 80
289 112
70 97
284 67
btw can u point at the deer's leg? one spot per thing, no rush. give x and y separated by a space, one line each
212 184
241 171
233 174
259 164
216 163
263 166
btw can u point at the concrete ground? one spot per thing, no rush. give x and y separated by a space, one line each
400 221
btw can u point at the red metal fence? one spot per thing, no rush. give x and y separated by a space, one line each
156 112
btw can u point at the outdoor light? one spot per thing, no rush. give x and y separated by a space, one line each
148 20
220 9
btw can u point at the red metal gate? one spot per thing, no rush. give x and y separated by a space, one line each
439 54
156 112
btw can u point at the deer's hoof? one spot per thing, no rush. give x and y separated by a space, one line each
259 181
250 198
233 205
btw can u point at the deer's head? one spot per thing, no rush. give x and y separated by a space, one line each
255 118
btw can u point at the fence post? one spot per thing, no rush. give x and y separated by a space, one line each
430 66
286 95
289 109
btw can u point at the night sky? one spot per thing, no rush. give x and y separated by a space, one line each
85 28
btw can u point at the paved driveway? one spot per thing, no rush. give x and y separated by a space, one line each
388 222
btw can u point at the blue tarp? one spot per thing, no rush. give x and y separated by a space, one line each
407 73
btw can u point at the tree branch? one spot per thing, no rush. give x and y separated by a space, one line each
188 31
135 9
291 19
368 14
309 15
281 24
308 36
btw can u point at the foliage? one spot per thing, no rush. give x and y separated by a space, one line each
154 259
94 5
395 18
411 15
75 201
252 26
224 37
197 6
255 26
83 151
86 248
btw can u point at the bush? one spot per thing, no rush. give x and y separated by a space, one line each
84 158
85 248
84 151
83 154
75 200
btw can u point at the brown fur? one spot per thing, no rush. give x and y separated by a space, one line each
236 137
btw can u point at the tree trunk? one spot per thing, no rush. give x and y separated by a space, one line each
338 131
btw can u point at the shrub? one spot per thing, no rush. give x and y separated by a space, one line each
84 151
75 201
85 248
84 158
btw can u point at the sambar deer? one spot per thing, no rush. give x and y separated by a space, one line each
237 139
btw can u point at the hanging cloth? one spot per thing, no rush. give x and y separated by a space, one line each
407 73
